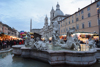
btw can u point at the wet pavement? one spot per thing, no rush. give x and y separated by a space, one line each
9 60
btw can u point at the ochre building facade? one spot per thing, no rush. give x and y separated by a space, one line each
84 20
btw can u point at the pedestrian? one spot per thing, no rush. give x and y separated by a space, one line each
5 44
14 42
11 43
0 45
97 43
20 42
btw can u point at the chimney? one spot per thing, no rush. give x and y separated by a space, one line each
91 1
78 9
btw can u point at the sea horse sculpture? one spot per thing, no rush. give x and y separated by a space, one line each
39 45
91 43
72 42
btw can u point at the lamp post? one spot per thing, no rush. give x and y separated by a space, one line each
98 10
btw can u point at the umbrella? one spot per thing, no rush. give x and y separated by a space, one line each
31 33
23 34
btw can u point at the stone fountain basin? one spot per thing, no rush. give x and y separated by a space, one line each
58 56
17 49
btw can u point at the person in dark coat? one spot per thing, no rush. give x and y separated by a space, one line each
97 43
3 44
0 45
11 43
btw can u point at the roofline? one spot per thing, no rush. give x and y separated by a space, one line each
86 7
36 29
80 10
58 16
1 22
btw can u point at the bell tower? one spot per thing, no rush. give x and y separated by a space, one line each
57 6
51 15
46 21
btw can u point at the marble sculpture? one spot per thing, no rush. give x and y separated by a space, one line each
72 42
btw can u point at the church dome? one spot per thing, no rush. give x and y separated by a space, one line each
58 11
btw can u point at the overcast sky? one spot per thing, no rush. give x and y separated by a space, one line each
17 13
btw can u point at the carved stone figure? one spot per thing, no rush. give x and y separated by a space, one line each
46 39
55 34
72 42
39 45
29 41
77 42
91 43
60 42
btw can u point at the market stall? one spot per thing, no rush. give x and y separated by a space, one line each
8 37
84 36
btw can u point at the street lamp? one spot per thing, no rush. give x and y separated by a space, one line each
98 10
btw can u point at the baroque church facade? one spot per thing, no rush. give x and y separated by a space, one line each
55 15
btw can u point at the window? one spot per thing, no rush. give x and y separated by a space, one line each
66 29
82 17
89 14
72 16
79 13
77 26
82 25
53 14
89 24
66 23
76 19
72 21
98 4
76 14
61 31
69 22
82 12
69 27
88 9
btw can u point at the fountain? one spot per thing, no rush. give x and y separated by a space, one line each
68 52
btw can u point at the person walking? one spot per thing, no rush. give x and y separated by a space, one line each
96 42
5 44
0 45
20 42
11 43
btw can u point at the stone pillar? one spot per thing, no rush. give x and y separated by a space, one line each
30 25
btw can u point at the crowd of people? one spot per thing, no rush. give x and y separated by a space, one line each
9 43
